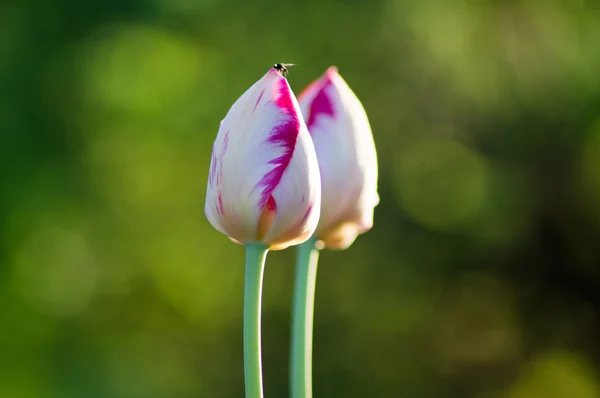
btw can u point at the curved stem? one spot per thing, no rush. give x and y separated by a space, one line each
256 254
302 319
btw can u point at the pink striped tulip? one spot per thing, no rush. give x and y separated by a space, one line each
264 184
342 136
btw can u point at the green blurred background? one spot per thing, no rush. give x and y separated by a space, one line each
480 278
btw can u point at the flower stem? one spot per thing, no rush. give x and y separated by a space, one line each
302 319
256 254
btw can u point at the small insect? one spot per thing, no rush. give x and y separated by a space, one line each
282 68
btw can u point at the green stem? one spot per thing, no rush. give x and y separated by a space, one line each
302 319
256 254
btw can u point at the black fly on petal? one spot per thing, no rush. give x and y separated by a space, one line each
282 68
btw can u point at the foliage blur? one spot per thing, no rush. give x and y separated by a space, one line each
480 278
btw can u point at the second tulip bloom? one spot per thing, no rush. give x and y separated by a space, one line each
340 130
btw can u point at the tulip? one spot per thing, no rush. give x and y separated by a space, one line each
264 191
264 184
341 133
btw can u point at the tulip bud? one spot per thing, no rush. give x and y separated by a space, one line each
264 184
342 136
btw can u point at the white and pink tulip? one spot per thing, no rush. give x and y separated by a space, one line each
342 137
264 183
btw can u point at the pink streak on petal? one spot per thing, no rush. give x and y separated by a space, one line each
220 207
221 156
320 105
283 96
213 168
258 100
225 144
220 174
308 211
283 135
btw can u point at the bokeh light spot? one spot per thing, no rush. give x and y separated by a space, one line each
139 69
556 375
441 183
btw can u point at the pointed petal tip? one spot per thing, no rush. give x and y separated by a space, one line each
274 74
332 70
